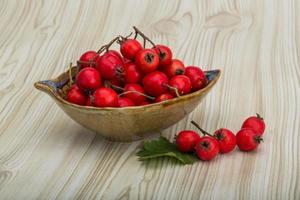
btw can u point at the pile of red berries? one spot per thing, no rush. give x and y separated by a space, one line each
223 140
136 76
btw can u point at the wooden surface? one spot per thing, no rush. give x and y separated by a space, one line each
45 155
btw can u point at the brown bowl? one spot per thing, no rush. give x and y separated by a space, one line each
129 123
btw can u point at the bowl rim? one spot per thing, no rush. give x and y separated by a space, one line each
43 87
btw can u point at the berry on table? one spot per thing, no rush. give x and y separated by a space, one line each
247 139
207 148
226 140
256 123
186 140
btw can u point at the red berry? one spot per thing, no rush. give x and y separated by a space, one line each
155 83
144 103
163 97
115 53
109 65
129 48
88 78
105 97
226 139
186 140
125 102
164 54
182 83
197 77
147 60
137 96
207 148
89 101
176 67
76 96
247 139
88 59
256 123
132 74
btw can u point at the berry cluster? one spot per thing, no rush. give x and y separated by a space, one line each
134 77
223 140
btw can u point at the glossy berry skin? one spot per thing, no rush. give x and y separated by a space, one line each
155 83
132 74
129 48
164 54
163 97
144 103
88 79
89 101
115 53
135 97
247 139
207 148
125 102
182 83
105 97
110 66
256 123
226 140
197 77
88 59
176 67
147 60
76 96
186 140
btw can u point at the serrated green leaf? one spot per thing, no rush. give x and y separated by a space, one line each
164 148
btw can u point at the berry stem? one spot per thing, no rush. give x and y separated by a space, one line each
173 88
107 46
70 75
137 92
259 117
137 31
202 131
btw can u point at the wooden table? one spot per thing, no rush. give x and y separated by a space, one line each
46 155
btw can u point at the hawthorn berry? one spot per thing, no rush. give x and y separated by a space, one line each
163 97
207 148
75 95
88 59
164 54
176 67
182 83
105 97
147 60
88 79
155 83
186 140
129 48
125 102
247 139
226 140
256 123
197 77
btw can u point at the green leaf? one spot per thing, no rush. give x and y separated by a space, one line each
164 148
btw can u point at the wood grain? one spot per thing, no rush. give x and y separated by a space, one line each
45 155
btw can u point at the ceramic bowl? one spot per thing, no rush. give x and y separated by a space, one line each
129 123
